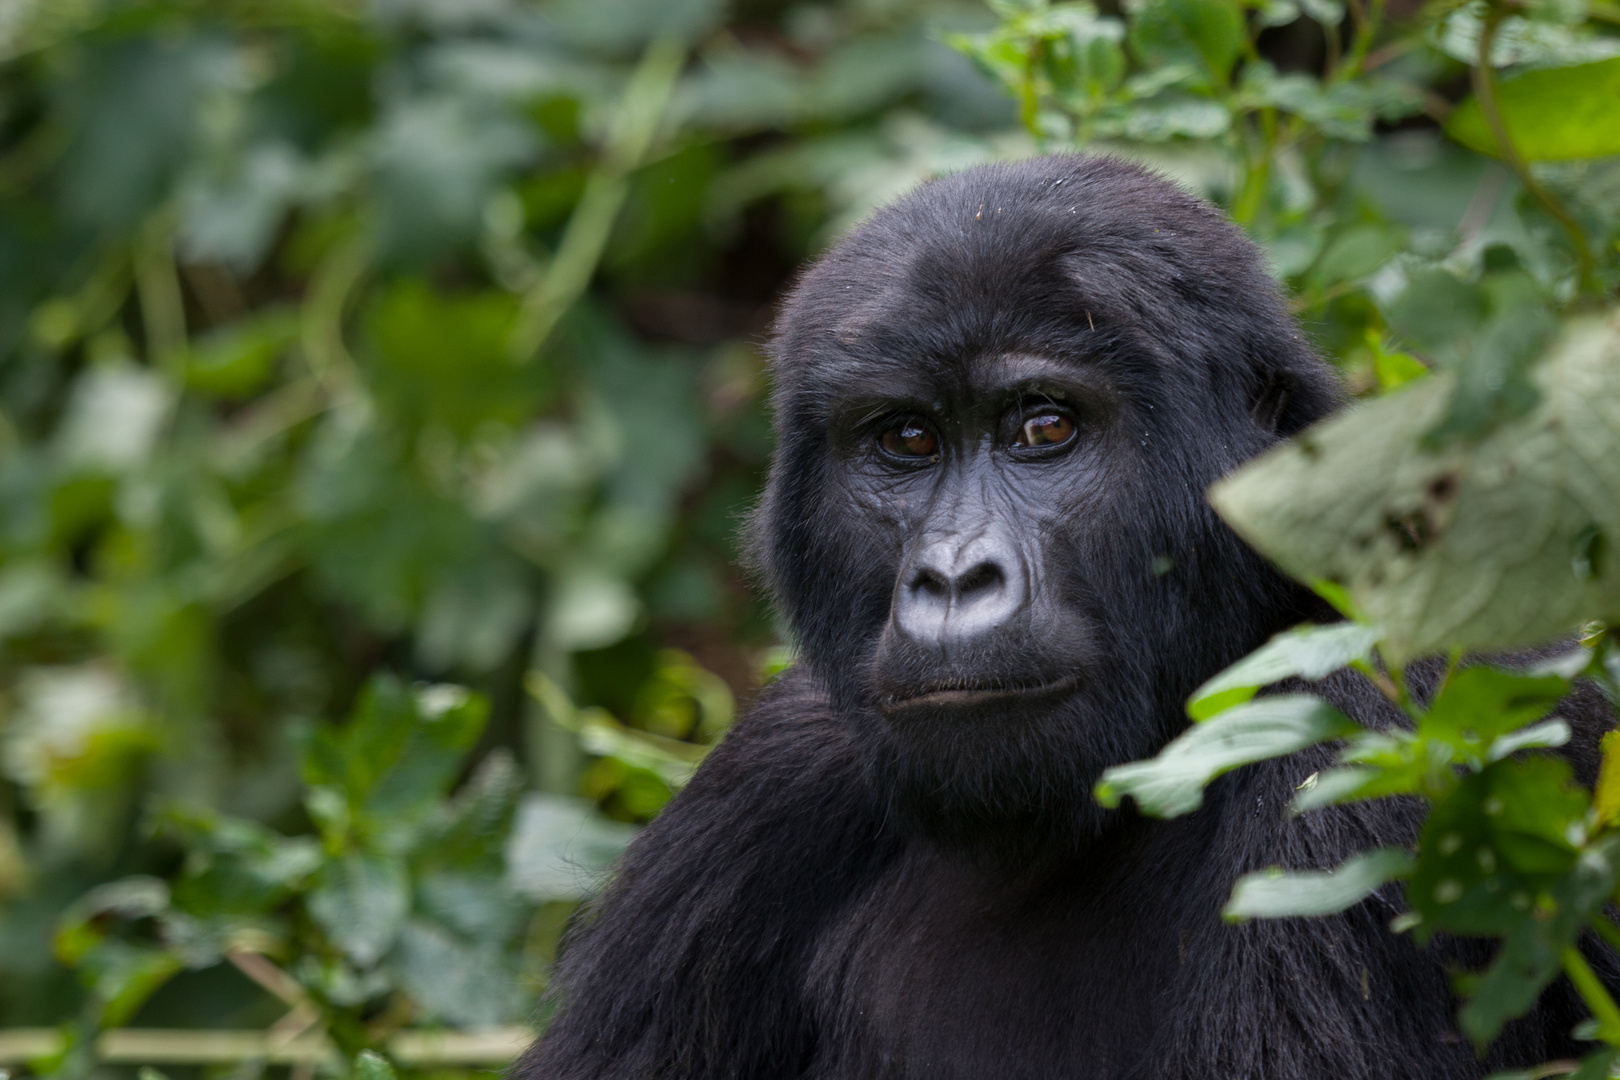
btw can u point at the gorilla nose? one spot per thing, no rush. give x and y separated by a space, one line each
952 592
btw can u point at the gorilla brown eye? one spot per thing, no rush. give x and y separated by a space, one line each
910 437
1046 428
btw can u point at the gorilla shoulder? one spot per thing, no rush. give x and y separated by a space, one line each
702 944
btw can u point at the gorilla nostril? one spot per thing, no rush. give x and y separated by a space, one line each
986 577
931 582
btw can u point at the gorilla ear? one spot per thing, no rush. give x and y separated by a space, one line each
1286 400
1270 404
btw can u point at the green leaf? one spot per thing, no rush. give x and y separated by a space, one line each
1309 652
114 418
1402 764
1206 33
1493 383
437 359
131 112
1276 894
235 362
84 924
395 757
370 1065
1494 844
1173 783
1551 114
560 847
235 866
1354 254
361 901
436 160
1543 736
448 720
1436 308
1596 1065
1533 947
1333 787
1607 794
1472 546
471 829
1326 12
123 977
455 981
1175 116
1477 705
1395 369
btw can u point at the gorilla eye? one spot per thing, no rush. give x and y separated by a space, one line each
909 437
1045 428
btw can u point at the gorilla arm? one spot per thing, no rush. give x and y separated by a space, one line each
691 963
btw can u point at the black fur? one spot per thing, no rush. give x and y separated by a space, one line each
893 867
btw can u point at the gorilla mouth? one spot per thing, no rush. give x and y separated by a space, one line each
968 694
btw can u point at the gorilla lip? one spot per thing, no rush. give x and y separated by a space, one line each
970 695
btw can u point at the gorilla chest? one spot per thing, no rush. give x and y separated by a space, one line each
938 972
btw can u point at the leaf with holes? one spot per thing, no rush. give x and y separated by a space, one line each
1488 544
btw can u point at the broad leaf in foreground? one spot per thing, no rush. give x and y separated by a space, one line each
1278 894
1492 544
1173 783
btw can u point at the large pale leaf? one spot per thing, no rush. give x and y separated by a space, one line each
1276 894
1481 545
1551 114
1173 783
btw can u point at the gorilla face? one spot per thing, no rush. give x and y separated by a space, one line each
977 482
999 404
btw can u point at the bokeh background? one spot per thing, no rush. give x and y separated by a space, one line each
422 339
382 396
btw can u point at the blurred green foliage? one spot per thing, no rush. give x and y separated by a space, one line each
349 347
398 361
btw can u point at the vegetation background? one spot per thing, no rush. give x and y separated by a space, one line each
381 393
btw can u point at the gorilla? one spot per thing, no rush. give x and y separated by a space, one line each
999 403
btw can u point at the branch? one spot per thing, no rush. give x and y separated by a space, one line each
1484 79
175 1046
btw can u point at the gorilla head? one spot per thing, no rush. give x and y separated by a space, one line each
999 404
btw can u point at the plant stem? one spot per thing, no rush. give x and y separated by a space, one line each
321 320
1605 10
1029 94
1607 930
1397 675
157 284
1368 19
1594 994
585 238
1247 205
1484 79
